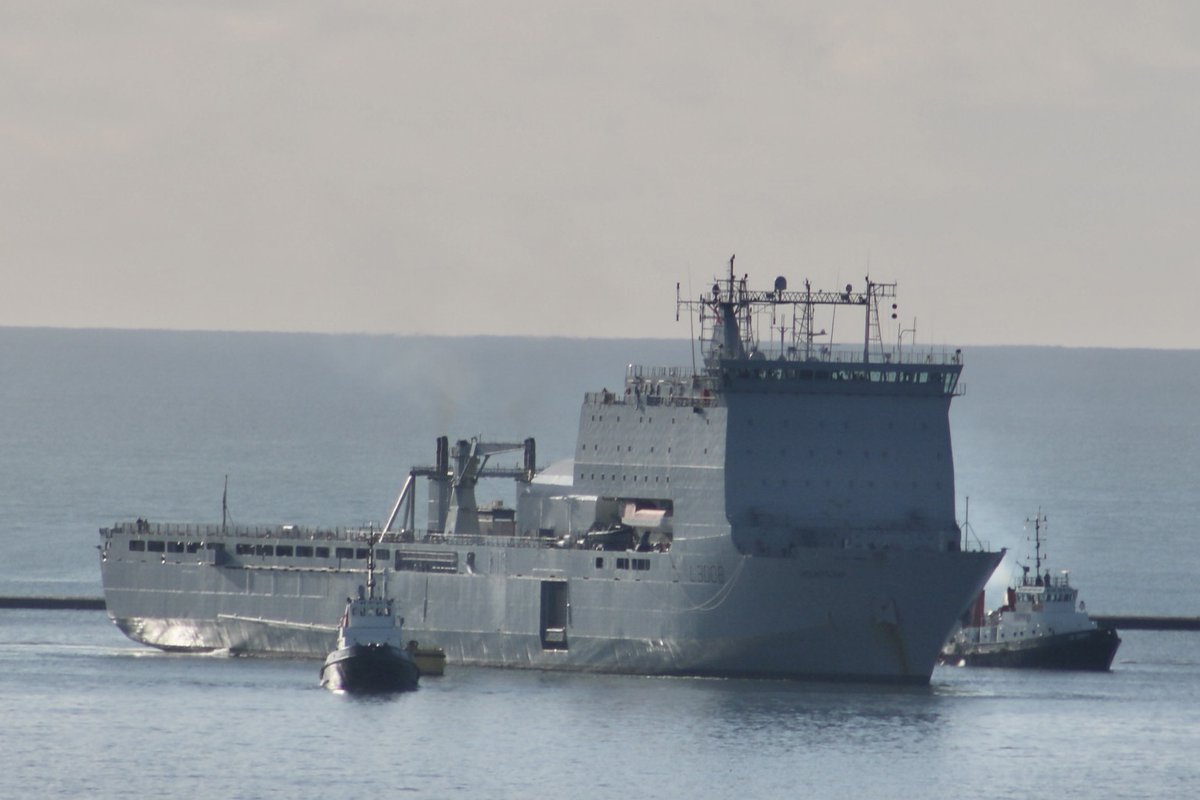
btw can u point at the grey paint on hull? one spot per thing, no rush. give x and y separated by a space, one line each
847 614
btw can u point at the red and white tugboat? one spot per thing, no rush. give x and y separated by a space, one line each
1041 625
370 656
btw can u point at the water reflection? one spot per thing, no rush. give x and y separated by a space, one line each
784 716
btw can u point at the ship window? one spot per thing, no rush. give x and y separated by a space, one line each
155 546
360 553
622 563
383 554
427 561
304 551
245 549
174 547
284 550
137 545
344 552
192 547
264 550
322 552
599 562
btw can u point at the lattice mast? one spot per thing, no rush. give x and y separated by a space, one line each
727 317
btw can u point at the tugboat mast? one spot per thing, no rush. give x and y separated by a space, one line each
1039 520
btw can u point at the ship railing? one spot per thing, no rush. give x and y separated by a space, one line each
643 374
212 532
480 539
652 373
660 386
190 530
637 399
853 354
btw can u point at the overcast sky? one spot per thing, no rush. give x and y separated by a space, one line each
1027 172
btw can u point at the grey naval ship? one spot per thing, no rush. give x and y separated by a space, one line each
783 508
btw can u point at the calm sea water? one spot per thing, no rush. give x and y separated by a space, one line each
101 426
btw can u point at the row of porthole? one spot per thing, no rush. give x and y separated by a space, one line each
624 478
245 549
629 449
646 420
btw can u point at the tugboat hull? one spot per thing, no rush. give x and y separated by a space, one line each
369 668
1091 650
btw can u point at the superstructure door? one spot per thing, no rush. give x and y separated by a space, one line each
555 614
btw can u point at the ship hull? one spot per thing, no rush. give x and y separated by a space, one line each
825 614
1089 650
365 669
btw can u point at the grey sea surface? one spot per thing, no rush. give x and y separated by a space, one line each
100 426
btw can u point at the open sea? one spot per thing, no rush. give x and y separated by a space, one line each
101 426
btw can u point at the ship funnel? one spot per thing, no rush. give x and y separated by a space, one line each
530 458
443 456
439 487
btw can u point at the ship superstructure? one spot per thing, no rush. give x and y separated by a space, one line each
784 508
